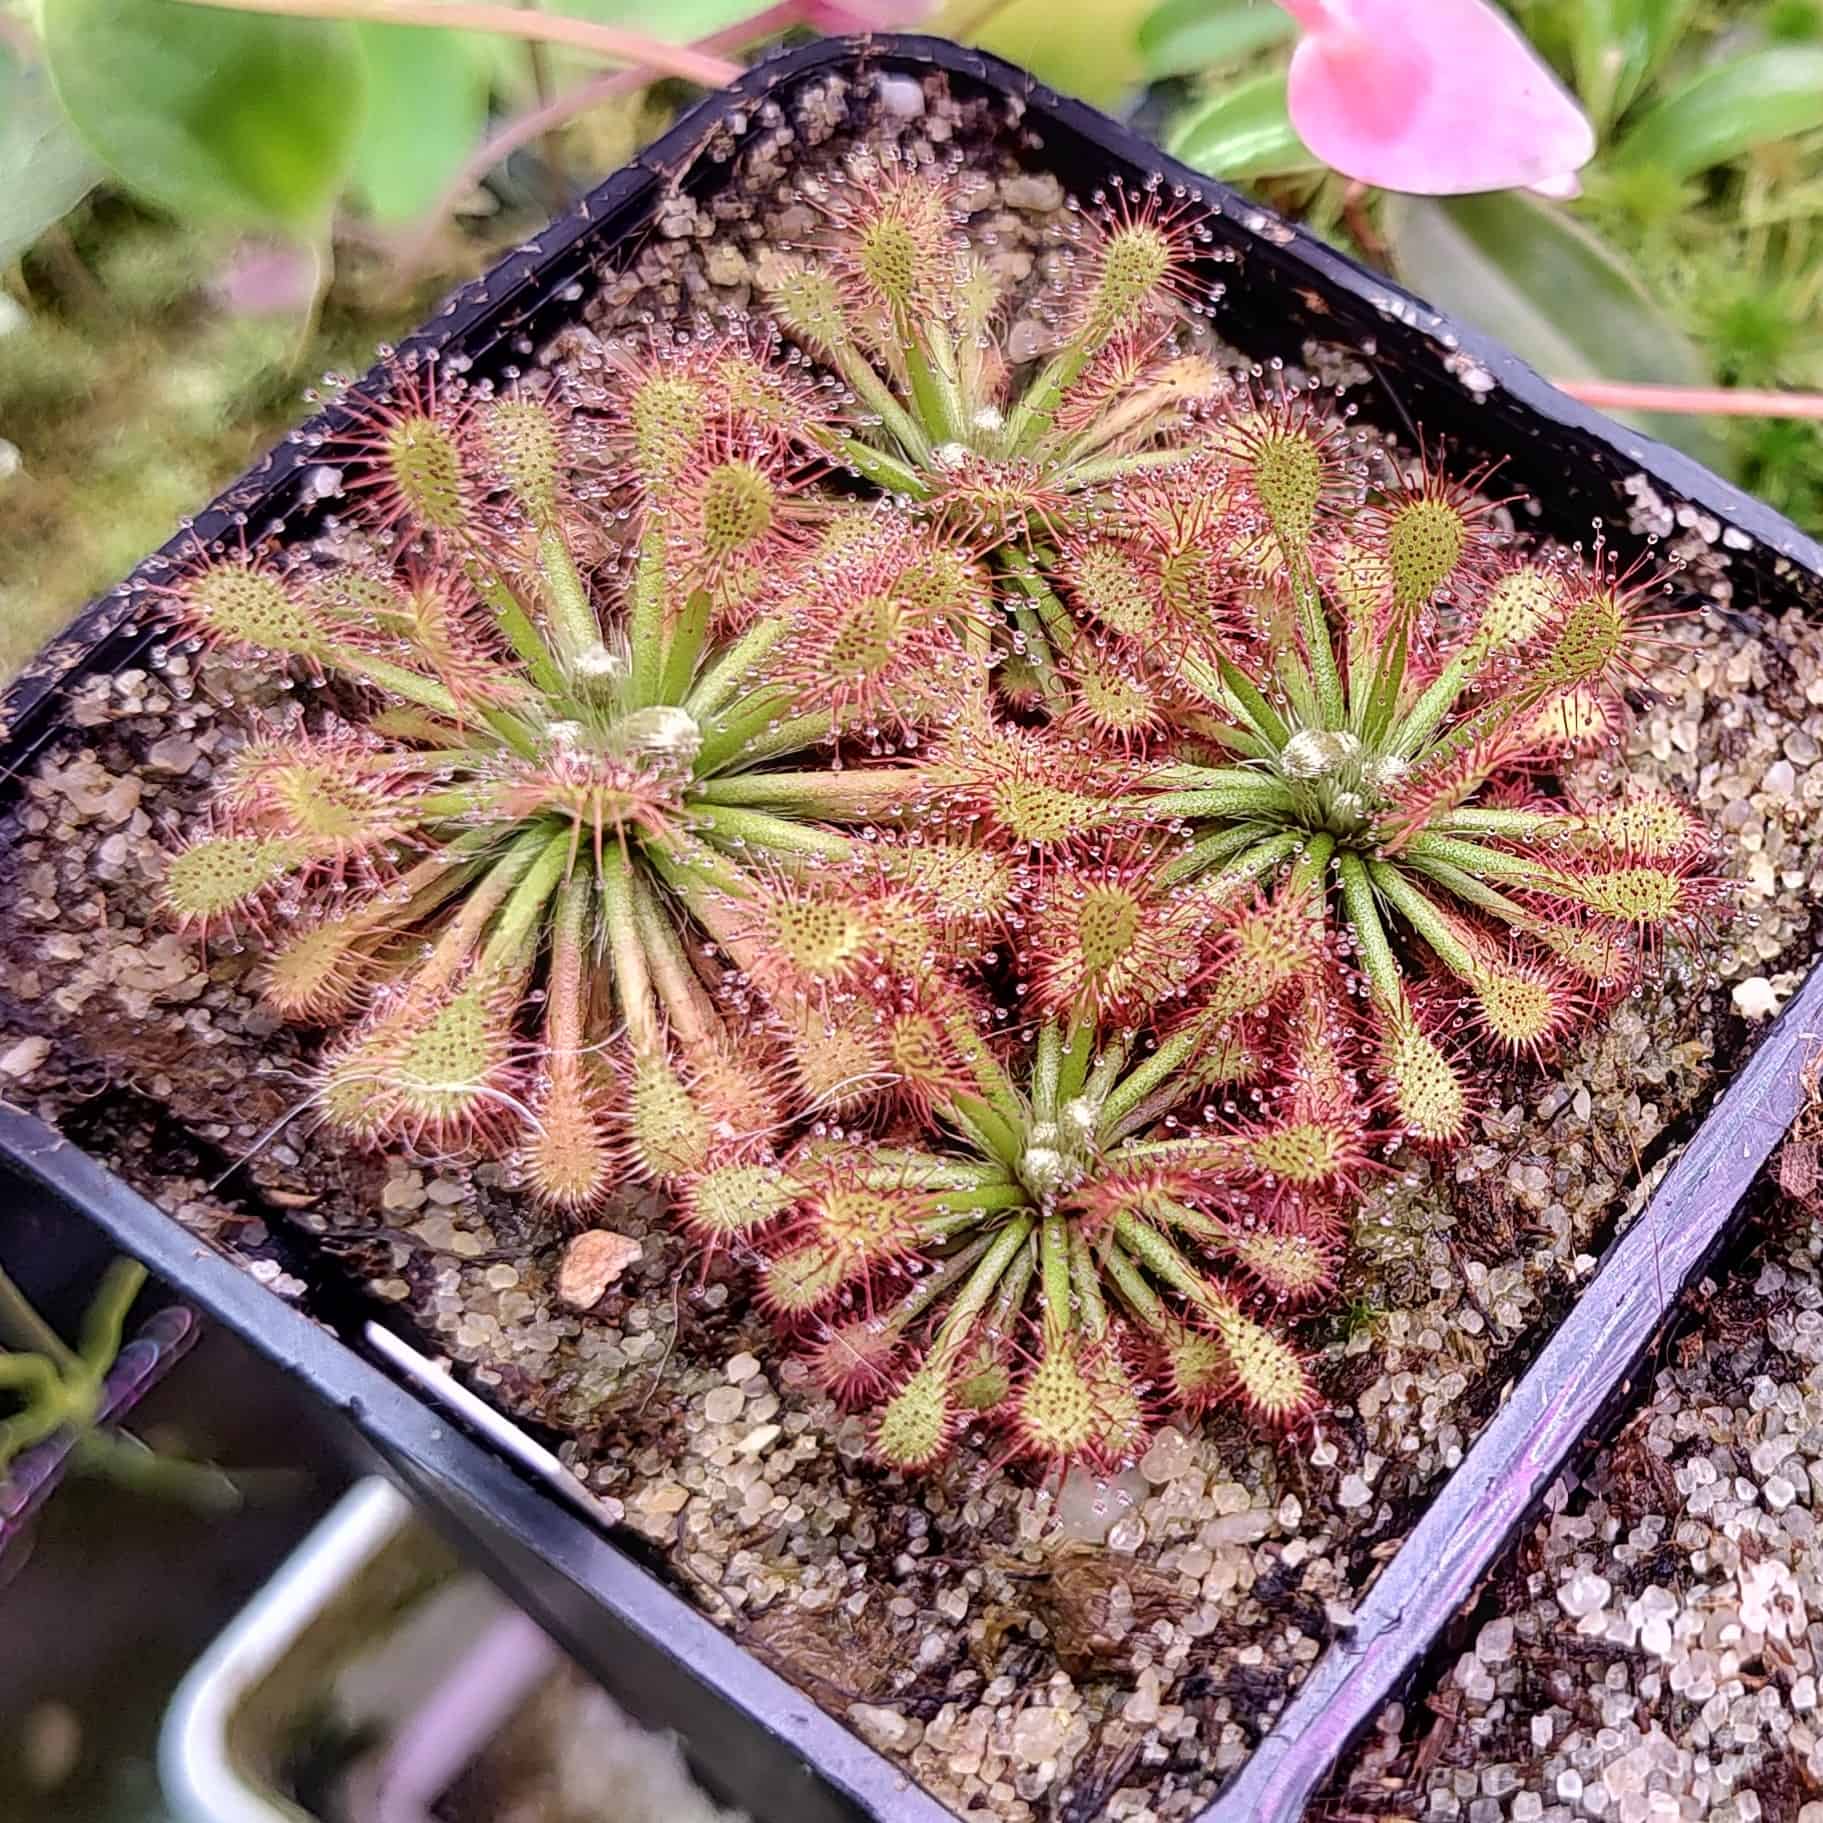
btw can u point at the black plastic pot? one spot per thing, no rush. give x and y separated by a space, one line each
753 1738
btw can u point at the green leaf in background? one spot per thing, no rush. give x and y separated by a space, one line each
218 116
1617 45
48 170
1243 132
1798 20
1083 47
427 94
1558 296
1184 36
1550 28
1726 111
675 21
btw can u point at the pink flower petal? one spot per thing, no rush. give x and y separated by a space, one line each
1438 97
1563 188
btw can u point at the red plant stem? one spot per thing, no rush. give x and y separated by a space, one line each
1718 401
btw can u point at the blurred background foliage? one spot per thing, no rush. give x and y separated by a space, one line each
1692 256
204 210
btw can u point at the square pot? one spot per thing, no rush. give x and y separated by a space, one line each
755 1739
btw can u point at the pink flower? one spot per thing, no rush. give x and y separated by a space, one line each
1432 96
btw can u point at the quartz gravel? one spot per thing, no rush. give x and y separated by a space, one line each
1656 1652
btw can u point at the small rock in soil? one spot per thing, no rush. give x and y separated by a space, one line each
591 1263
21 1060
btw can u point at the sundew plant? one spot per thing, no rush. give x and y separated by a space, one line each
1395 690
485 883
1009 845
1061 1251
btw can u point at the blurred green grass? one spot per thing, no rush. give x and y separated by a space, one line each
129 397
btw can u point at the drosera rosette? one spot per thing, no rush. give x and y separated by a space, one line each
463 857
1385 698
963 846
847 967
890 297
1087 1233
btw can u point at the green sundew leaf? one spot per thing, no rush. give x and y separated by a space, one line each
427 96
1554 292
1243 132
48 169
1729 110
1617 45
1549 27
1183 36
214 115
